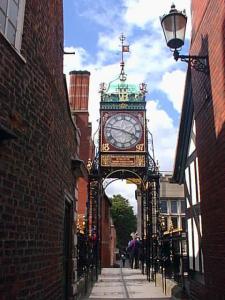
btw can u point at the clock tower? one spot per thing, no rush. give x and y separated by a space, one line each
124 154
122 142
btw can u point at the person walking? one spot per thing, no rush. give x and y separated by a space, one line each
129 252
134 251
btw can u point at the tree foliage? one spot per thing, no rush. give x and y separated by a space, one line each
124 220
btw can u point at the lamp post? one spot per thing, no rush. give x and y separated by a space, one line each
162 258
174 27
171 248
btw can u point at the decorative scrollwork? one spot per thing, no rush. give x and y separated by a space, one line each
197 62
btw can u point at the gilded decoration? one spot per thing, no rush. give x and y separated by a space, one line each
123 161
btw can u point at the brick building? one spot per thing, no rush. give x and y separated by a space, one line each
200 159
78 98
38 148
172 204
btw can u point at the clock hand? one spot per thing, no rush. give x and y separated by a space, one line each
122 130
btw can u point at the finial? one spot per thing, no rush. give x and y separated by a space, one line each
122 38
173 8
102 87
143 88
173 5
124 48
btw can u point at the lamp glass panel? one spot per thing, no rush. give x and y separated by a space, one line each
174 26
180 22
168 28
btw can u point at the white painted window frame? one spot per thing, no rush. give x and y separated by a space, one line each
177 204
20 22
167 207
19 25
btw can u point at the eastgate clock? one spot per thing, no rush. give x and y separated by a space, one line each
123 131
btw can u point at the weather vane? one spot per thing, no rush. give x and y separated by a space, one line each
124 48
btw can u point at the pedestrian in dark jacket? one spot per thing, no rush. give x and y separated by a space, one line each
134 250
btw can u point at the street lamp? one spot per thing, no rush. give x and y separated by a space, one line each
174 27
171 248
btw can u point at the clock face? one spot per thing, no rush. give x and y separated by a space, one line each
123 131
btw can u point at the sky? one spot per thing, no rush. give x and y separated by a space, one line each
92 29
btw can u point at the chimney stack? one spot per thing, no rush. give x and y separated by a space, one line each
79 91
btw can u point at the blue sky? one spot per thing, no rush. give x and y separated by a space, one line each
92 29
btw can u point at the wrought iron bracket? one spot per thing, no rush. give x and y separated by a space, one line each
199 63
65 52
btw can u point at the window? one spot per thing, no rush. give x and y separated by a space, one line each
183 223
174 222
166 223
174 207
11 20
183 206
163 206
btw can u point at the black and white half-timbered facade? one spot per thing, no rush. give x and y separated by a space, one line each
186 172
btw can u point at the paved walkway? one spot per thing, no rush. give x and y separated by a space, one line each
125 283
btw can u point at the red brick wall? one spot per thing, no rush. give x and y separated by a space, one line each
79 90
35 167
82 195
197 13
85 138
79 95
209 106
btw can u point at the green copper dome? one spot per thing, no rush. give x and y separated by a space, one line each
131 88
122 92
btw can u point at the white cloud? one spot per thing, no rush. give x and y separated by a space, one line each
100 12
149 61
164 135
74 61
125 190
160 124
141 12
172 85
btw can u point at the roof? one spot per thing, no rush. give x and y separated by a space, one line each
115 87
122 91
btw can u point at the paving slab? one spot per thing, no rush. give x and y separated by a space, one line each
125 283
